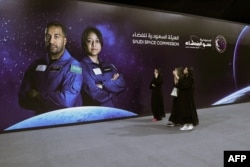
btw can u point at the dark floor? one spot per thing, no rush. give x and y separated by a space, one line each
134 142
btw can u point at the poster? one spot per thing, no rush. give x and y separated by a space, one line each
135 41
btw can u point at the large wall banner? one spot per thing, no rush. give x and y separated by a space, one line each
135 41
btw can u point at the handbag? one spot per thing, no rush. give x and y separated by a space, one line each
174 92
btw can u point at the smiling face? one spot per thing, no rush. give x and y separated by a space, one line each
93 44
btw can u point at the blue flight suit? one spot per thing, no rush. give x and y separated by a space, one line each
58 83
101 73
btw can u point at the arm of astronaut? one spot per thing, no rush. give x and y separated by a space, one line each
116 84
91 88
66 95
26 95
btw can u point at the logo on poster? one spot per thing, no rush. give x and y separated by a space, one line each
154 39
196 42
220 43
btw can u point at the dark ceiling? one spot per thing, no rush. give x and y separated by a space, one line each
231 10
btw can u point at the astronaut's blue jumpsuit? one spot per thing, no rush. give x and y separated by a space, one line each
101 73
58 83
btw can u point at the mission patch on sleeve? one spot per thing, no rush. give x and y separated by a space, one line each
76 69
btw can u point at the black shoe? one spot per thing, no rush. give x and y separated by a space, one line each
170 124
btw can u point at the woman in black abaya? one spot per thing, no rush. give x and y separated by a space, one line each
184 108
157 103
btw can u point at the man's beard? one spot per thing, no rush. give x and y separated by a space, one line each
54 50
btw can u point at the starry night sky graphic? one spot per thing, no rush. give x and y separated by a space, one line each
22 41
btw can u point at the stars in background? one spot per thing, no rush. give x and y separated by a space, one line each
22 41
22 26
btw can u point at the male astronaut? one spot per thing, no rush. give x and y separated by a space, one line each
54 81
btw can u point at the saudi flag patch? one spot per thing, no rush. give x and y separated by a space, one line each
76 69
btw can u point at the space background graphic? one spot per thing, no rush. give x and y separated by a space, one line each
135 41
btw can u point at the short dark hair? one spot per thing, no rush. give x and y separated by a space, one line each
57 24
86 32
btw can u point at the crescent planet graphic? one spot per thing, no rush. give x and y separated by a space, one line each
71 116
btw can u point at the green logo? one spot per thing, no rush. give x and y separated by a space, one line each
76 69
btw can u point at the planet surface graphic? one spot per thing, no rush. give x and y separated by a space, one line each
71 116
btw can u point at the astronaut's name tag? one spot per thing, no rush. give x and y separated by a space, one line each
97 71
41 67
55 68
106 69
